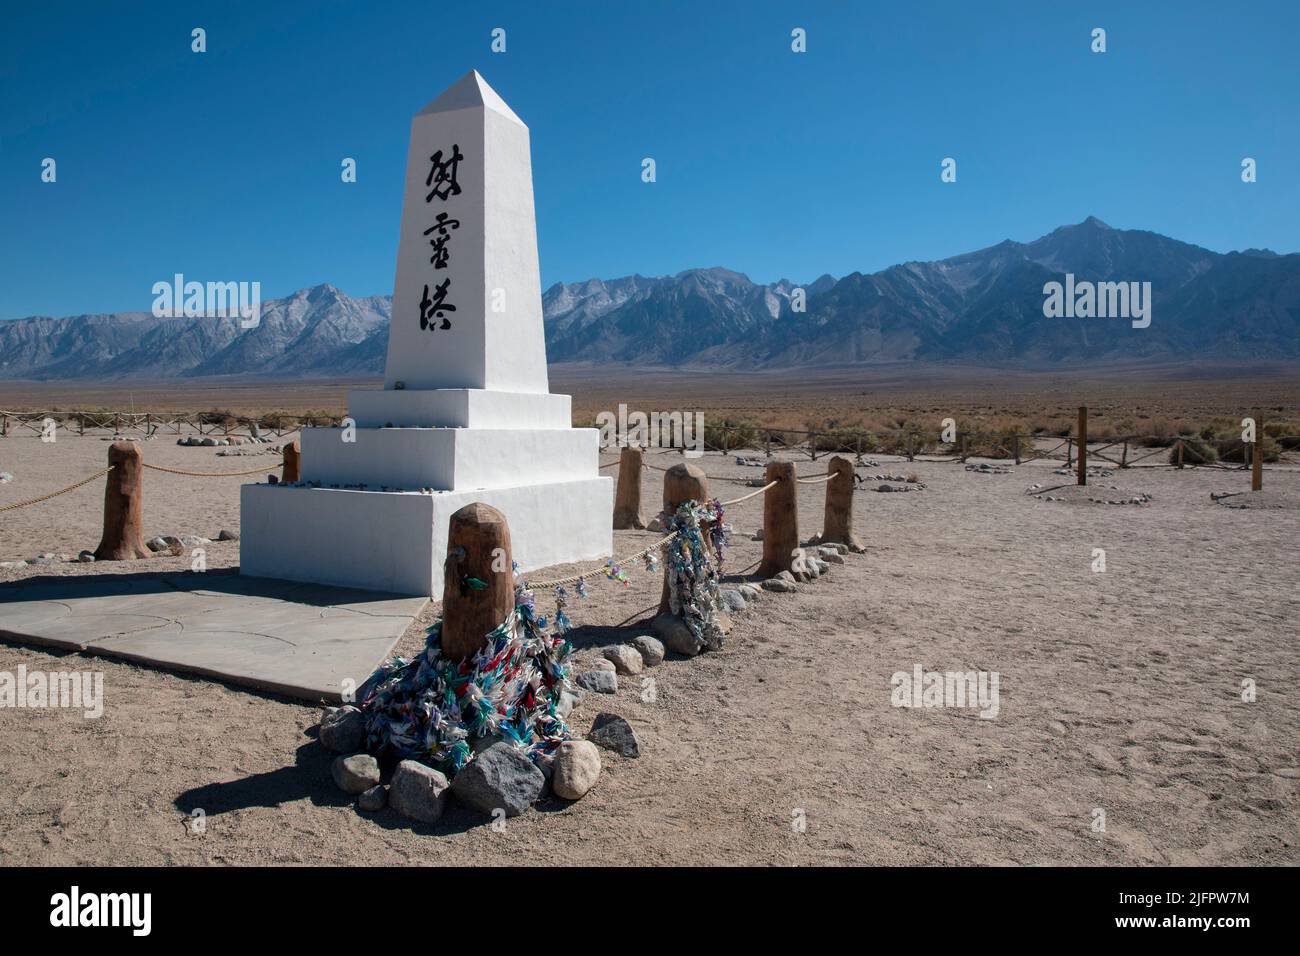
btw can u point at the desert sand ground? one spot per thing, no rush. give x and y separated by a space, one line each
1119 691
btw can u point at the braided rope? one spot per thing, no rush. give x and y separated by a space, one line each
55 494
815 480
212 474
547 585
736 501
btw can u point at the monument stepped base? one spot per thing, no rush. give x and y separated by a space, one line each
396 541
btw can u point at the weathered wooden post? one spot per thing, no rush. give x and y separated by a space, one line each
292 463
478 590
780 520
684 482
1180 453
4 426
1123 458
963 447
1015 446
627 494
1257 453
1083 444
838 524
123 505
1069 452
911 446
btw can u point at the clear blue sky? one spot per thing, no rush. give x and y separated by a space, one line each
225 165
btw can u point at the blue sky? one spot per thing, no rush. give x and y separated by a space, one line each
225 165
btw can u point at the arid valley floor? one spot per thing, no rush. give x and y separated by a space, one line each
1119 691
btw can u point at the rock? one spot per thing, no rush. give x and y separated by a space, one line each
626 659
786 576
193 541
224 535
5 477
355 774
822 566
575 770
732 599
501 777
830 555
418 792
884 487
44 560
603 664
780 586
568 700
677 637
86 557
373 800
757 535
343 729
208 442
749 592
602 682
656 524
161 543
651 649
614 733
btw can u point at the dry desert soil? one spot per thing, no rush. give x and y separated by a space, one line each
1120 692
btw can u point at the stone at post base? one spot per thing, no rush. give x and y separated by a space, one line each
500 778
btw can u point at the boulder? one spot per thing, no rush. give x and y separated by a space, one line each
224 535
373 800
651 649
780 586
342 729
501 777
614 733
625 658
86 557
355 774
748 591
568 700
418 792
732 599
600 681
676 636
575 769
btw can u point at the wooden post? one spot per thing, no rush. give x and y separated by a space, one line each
767 444
812 446
963 446
838 524
1180 453
911 446
1083 444
4 426
1069 452
292 463
123 505
780 520
478 590
1257 453
1123 458
627 494
1015 446
684 482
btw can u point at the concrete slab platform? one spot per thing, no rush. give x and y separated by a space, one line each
302 640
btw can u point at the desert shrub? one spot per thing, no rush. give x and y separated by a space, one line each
729 435
1195 452
844 439
1234 449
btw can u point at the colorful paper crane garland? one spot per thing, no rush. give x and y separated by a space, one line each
433 709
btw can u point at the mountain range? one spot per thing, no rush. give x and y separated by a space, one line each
983 307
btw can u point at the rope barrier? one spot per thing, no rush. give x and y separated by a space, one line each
55 494
213 474
736 501
547 585
818 479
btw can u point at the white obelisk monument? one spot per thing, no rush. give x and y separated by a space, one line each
465 413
